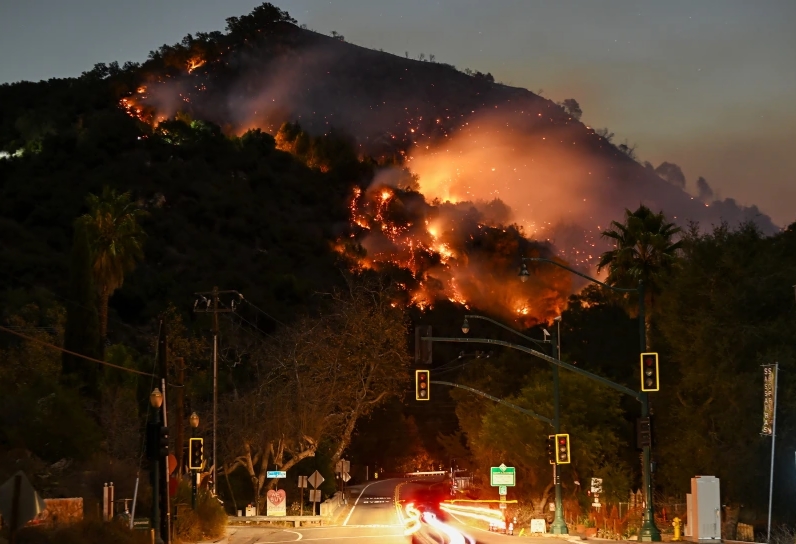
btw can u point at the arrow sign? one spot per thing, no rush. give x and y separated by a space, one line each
316 479
346 476
276 474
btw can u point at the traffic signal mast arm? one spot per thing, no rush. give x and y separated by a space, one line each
499 401
621 388
501 325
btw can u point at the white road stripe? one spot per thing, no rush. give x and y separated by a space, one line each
356 502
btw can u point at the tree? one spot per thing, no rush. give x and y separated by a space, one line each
671 173
705 191
590 413
82 323
312 381
728 310
116 241
371 345
643 250
572 107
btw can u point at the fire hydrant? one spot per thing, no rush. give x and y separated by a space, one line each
677 523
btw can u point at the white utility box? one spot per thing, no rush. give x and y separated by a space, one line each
704 510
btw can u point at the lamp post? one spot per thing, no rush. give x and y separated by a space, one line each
559 526
649 532
156 400
194 425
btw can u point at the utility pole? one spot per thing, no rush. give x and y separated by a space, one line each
213 308
559 526
165 519
178 450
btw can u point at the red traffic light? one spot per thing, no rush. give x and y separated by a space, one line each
650 372
422 390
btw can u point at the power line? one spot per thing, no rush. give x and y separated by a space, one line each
48 344
246 300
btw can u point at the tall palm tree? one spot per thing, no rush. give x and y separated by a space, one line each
643 250
116 240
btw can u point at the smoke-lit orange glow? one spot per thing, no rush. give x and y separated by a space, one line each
195 63
454 253
546 183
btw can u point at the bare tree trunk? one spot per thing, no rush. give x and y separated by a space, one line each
231 493
345 440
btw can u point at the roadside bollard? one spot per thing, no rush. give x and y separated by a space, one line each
676 523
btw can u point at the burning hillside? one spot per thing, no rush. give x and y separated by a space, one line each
466 140
457 252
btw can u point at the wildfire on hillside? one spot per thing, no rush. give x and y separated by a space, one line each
454 252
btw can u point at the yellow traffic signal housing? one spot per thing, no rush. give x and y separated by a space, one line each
195 453
422 385
562 449
649 372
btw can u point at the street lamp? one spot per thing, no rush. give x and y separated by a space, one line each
194 424
156 400
524 274
649 532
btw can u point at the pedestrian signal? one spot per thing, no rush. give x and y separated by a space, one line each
195 453
644 432
163 442
422 385
551 449
649 372
562 449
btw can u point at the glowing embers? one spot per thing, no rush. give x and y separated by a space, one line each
454 252
195 63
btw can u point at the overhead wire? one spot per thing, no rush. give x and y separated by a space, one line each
86 357
262 311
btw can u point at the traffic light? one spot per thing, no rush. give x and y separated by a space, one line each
422 385
163 442
551 449
643 432
562 449
195 453
649 372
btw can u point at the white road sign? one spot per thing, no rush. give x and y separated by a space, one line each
316 479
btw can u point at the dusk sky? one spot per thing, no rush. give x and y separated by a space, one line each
709 85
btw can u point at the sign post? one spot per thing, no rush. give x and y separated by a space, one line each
302 484
770 424
315 480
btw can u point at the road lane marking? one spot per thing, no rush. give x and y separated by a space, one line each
401 536
356 502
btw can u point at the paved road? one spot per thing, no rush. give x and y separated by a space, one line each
371 518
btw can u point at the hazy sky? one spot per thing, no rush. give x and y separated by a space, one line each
708 84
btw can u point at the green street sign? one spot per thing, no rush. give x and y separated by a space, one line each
502 476
141 523
502 490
